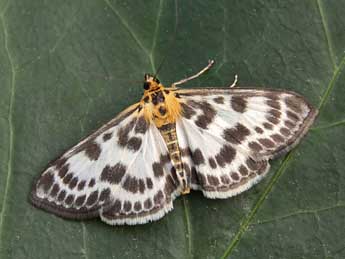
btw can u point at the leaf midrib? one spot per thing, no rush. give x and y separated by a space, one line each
11 126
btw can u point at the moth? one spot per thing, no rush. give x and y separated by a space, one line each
215 140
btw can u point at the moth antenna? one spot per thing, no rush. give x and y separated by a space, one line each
210 64
234 83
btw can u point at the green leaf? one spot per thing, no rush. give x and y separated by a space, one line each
67 67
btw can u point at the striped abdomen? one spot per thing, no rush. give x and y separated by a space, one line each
168 132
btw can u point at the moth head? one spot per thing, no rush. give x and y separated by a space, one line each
151 82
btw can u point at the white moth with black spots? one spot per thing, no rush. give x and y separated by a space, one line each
216 140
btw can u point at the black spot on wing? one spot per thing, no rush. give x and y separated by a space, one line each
81 185
127 206
59 163
141 125
239 104
46 181
134 143
131 184
259 130
157 169
225 179
169 186
207 115
226 155
187 111
113 174
266 142
294 103
212 163
149 183
90 147
63 171
234 176
92 183
61 195
73 183
236 134
198 157
148 203
256 147
212 180
92 150
92 199
142 185
273 104
285 131
54 190
158 198
80 200
114 209
137 206
107 136
105 195
278 138
194 177
69 199
219 100
67 178
243 170
123 133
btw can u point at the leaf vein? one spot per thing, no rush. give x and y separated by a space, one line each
188 226
331 125
246 222
327 34
11 129
331 84
299 212
155 35
65 32
127 27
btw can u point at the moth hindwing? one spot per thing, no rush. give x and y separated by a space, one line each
216 140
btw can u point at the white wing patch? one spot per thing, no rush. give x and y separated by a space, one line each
228 135
120 173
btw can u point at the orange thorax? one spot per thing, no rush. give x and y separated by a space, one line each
161 105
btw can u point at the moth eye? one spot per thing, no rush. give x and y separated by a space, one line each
157 81
146 85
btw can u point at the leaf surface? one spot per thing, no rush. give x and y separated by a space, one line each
67 67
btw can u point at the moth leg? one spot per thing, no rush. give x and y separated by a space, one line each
234 83
210 64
